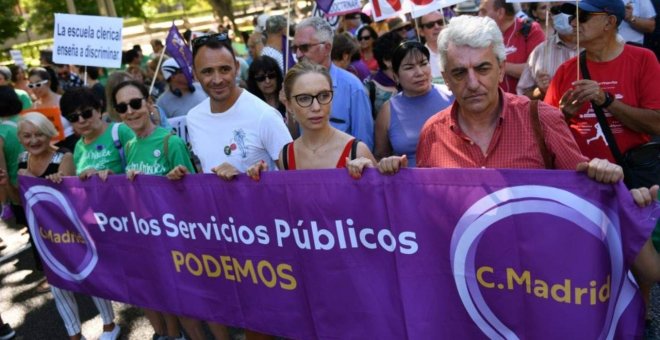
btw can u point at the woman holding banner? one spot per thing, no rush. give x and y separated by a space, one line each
308 93
153 151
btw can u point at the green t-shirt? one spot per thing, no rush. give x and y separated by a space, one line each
147 155
25 98
102 154
12 147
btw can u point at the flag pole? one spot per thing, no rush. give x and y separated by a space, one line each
160 60
577 36
286 43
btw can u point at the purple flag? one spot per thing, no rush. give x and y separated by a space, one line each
423 254
177 48
324 5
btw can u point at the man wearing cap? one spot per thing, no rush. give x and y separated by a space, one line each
179 97
351 111
68 80
275 37
5 79
402 28
430 26
623 83
520 38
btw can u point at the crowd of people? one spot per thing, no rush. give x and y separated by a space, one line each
479 85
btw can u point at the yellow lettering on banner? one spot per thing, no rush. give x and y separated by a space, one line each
480 276
210 259
198 263
226 264
178 260
244 271
565 289
284 271
512 276
261 267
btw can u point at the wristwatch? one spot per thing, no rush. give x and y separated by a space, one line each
609 98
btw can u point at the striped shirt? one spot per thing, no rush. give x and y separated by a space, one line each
539 61
513 145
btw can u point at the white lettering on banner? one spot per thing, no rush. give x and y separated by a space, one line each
87 40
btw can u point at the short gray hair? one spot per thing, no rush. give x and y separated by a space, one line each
43 124
471 31
323 29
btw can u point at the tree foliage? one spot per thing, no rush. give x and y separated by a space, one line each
10 21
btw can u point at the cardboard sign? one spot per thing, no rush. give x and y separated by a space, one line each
87 40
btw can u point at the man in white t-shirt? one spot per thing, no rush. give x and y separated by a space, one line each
232 129
639 19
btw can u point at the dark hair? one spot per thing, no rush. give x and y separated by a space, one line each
14 72
263 64
129 56
79 98
45 73
384 46
214 42
406 48
372 32
343 43
93 72
10 104
508 7
137 47
143 90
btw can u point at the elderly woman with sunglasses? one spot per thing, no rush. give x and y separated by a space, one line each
400 120
308 92
100 150
265 81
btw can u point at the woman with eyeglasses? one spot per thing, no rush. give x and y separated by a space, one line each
401 118
153 151
265 81
367 36
44 84
101 148
308 92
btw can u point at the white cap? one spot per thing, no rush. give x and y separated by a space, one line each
169 67
261 23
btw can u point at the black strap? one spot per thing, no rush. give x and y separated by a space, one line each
353 154
605 127
285 156
372 97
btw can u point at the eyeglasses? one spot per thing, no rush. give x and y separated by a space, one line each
135 104
432 24
269 75
75 116
306 100
585 16
205 39
554 10
37 84
303 47
366 37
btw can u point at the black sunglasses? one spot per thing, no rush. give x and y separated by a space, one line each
585 16
303 47
431 24
135 104
205 39
554 10
269 75
365 37
75 116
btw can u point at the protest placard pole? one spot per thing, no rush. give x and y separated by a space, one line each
577 35
288 29
153 81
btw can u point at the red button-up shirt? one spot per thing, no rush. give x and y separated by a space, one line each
513 145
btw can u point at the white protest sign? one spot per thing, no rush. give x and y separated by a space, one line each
17 57
87 40
340 7
180 127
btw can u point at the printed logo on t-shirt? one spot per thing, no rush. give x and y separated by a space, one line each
98 153
156 153
237 144
510 50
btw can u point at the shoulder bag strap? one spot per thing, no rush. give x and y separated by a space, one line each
354 145
166 147
605 127
285 156
538 134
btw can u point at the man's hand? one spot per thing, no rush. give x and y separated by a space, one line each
602 170
177 173
644 196
584 90
225 171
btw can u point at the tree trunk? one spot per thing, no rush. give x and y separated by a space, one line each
225 8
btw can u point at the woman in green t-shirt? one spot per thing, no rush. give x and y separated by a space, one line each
153 151
100 150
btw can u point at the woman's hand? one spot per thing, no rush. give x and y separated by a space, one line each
225 171
644 196
130 174
55 178
255 170
391 165
177 173
356 166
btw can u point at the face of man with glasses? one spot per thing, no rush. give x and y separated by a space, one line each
430 26
307 47
215 67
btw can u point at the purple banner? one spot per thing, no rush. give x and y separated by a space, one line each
424 254
177 48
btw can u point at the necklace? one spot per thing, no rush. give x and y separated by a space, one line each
313 150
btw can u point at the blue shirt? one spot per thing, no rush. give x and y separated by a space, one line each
351 111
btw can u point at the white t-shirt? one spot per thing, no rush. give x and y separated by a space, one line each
641 9
248 132
434 61
275 54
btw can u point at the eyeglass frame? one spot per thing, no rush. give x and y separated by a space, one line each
304 48
38 84
74 117
440 23
272 75
584 16
199 42
122 107
311 102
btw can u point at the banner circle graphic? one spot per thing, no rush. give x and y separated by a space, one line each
40 193
526 199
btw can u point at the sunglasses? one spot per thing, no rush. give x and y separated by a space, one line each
306 100
366 37
75 116
432 24
555 10
135 104
585 16
37 84
269 75
303 47
206 39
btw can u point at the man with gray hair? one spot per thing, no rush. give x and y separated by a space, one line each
351 111
275 39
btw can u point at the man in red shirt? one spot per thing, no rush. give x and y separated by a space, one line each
520 38
623 83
